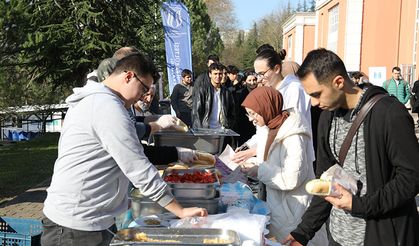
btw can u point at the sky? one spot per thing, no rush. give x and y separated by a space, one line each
249 11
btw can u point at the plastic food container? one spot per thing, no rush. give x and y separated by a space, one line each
16 231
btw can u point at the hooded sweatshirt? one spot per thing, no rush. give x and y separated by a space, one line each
285 172
98 154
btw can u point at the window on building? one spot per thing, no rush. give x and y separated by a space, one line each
289 50
332 40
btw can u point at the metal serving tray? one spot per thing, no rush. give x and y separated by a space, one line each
183 236
219 132
191 185
207 193
208 140
210 204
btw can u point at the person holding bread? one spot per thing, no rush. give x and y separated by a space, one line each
284 142
383 156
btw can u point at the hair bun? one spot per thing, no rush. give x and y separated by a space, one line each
264 47
282 53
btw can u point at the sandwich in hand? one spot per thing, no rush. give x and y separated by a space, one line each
319 187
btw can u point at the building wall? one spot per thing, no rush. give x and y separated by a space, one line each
301 29
380 39
371 33
353 34
290 50
323 28
406 39
308 43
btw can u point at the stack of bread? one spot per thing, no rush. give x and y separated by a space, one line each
204 160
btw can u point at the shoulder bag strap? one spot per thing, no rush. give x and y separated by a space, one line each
355 125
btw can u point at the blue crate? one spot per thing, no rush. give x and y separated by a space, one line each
20 232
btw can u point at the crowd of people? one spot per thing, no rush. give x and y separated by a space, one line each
292 122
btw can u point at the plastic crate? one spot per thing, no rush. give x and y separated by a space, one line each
18 232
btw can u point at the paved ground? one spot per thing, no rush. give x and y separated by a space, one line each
30 203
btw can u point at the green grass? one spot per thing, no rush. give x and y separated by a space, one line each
25 164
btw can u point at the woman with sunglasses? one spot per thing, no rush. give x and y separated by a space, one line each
284 144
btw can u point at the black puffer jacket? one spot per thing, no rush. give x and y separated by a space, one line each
203 96
392 157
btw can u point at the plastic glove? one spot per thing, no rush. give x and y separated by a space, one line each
166 121
186 155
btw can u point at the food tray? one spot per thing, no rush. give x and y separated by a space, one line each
209 132
191 185
183 236
207 140
210 204
210 144
207 193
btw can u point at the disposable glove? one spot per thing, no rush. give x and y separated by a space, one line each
186 155
166 121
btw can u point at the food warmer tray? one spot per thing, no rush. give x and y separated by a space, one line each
208 140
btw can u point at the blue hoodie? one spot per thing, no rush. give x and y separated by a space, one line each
98 154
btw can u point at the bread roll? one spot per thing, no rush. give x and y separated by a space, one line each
201 166
178 166
319 187
180 126
205 157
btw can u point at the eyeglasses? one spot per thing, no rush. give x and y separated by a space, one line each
146 88
261 75
251 115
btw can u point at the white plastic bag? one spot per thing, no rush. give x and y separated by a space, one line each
336 174
252 229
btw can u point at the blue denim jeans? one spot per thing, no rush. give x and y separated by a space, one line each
54 235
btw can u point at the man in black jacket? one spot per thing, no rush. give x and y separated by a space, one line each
203 78
213 105
383 156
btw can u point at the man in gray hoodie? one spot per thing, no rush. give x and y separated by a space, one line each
97 158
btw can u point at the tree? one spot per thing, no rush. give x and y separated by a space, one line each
206 38
53 44
313 5
222 14
299 7
250 45
305 9
240 38
270 27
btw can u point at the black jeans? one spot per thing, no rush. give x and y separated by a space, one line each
54 235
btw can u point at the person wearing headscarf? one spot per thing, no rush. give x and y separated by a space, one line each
285 166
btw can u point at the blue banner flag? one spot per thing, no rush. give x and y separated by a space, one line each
177 39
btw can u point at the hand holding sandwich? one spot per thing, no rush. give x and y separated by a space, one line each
344 201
